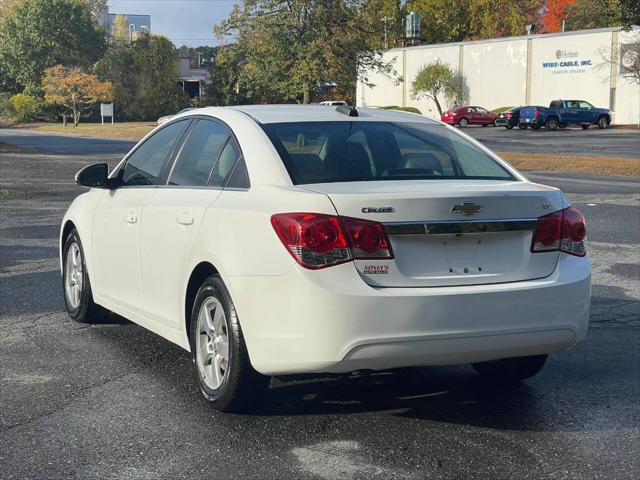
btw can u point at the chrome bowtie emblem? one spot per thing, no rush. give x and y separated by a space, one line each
466 208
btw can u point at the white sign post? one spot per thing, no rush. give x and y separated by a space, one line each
106 110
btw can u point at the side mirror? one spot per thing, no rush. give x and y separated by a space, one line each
94 176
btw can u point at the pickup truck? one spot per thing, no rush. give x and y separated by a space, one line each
565 112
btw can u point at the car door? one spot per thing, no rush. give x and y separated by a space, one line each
483 116
587 112
471 114
173 216
571 112
118 217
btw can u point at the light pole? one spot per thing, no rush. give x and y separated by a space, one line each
385 20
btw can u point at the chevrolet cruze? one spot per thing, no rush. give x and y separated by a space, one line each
274 240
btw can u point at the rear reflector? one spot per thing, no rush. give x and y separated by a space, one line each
563 231
317 240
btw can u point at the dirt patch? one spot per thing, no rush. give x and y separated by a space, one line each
628 167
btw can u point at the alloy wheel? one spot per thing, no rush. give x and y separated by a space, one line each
212 343
73 275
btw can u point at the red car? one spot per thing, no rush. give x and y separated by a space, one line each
463 116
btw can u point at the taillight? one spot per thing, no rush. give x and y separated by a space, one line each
317 240
536 113
366 238
508 115
564 231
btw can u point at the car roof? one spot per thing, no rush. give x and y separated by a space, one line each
316 113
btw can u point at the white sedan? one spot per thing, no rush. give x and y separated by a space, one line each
273 240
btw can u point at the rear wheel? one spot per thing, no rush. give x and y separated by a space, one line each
584 126
551 124
603 122
511 370
78 298
523 126
463 123
220 358
509 127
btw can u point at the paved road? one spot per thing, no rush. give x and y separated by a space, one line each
113 401
569 141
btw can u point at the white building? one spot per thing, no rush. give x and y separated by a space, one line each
527 70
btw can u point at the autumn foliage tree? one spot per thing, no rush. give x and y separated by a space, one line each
555 13
74 90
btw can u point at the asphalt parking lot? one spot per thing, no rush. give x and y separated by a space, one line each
113 401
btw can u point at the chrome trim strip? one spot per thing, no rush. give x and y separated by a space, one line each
451 227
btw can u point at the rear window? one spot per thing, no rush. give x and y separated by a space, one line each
321 152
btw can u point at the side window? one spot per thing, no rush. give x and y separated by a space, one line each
144 166
585 105
481 110
198 154
226 162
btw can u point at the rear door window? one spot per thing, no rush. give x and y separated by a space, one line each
198 154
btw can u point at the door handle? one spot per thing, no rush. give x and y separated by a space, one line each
131 217
185 219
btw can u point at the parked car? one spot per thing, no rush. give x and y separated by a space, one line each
166 118
509 118
289 239
463 116
333 103
562 113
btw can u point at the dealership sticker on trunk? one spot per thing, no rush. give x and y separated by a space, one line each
376 269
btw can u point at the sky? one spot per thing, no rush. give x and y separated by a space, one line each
184 22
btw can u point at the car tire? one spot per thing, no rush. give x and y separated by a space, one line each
536 127
463 123
219 354
603 122
584 126
509 127
76 288
523 126
511 370
551 124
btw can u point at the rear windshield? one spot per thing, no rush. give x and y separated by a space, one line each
321 152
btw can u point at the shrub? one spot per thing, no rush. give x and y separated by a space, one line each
404 109
26 107
6 107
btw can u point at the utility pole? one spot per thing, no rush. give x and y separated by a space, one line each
385 20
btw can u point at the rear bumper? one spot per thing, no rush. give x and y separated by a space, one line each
331 321
504 122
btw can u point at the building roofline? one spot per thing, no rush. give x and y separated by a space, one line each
510 39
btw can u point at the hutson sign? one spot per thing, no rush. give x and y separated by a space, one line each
568 62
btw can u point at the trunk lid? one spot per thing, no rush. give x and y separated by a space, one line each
450 232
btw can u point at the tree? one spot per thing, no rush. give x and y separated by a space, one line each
289 47
437 80
74 89
120 29
588 14
36 34
144 74
630 13
447 21
555 13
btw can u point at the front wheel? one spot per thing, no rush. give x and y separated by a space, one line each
511 370
78 298
220 359
603 122
463 123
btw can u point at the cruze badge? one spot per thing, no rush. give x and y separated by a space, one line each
466 208
378 210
